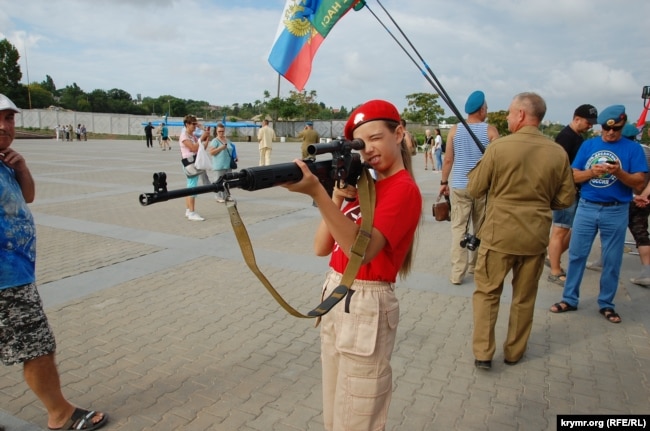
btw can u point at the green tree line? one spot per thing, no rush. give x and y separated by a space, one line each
304 105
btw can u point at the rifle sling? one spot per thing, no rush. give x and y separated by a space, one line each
367 198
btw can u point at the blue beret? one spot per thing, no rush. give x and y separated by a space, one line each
474 102
309 123
612 115
630 132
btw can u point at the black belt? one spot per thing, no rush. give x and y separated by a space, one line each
604 204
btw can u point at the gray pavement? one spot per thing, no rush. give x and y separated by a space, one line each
160 323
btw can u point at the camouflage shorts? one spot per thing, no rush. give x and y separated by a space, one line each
638 224
24 331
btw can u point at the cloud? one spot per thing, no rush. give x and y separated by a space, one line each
571 52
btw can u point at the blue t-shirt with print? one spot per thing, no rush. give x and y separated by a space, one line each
608 188
17 233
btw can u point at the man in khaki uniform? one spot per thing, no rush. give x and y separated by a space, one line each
524 176
265 136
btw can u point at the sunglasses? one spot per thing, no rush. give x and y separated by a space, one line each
614 128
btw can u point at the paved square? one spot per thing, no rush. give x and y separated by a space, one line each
160 323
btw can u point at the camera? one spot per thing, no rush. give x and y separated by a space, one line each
470 242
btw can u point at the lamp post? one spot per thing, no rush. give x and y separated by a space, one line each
169 107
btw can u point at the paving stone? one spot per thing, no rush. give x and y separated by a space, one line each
160 323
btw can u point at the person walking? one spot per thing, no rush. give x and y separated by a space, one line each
461 156
524 176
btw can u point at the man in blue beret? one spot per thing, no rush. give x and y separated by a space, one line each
609 168
461 155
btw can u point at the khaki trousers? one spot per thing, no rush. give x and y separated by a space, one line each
491 269
357 340
461 206
265 156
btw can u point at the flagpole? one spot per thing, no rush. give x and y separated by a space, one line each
276 107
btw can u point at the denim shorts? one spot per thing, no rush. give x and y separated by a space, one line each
564 218
24 331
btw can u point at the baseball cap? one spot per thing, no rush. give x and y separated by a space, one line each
7 104
474 102
372 110
612 115
588 112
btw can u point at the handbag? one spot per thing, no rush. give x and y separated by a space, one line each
442 210
190 168
203 160
233 163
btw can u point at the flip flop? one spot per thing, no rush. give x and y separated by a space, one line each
610 315
83 420
562 307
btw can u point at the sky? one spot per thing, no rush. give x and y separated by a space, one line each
569 51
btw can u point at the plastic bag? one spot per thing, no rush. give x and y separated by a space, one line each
203 159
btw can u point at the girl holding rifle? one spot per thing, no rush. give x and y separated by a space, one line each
358 335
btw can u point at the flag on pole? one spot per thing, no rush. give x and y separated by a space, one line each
303 27
640 124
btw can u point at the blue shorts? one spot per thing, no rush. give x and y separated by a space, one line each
564 218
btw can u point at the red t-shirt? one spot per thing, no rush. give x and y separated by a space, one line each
397 214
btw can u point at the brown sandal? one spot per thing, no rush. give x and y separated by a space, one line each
562 307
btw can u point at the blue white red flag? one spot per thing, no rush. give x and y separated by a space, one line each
303 27
640 124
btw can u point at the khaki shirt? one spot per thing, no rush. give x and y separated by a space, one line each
524 175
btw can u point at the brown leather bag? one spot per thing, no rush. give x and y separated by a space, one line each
442 210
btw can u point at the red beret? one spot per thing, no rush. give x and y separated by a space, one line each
372 110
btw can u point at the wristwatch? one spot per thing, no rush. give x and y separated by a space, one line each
444 183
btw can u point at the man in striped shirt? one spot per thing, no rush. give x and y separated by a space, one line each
461 156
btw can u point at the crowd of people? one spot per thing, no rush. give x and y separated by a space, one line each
517 202
68 132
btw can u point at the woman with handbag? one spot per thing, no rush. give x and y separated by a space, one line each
224 158
358 334
189 145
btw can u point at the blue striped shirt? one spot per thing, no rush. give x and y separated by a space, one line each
466 152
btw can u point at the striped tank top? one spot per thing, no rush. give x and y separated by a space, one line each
466 152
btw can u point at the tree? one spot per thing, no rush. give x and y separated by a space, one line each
48 85
423 108
10 74
499 120
41 97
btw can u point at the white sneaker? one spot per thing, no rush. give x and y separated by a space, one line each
187 212
220 200
192 216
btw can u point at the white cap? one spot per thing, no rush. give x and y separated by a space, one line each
7 104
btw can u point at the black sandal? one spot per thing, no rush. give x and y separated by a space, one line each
610 315
562 307
83 420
